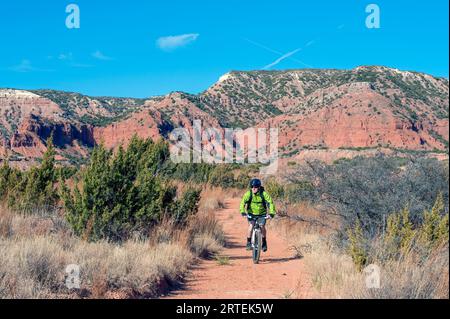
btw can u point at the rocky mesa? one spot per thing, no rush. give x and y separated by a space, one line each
316 112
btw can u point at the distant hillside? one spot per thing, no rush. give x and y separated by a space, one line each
249 97
365 108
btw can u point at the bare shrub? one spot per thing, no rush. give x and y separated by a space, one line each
370 189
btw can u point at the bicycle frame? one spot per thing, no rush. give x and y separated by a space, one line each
256 241
256 229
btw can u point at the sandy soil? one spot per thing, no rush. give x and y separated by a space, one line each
278 275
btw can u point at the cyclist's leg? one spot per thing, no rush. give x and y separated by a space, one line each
251 222
263 231
262 222
264 234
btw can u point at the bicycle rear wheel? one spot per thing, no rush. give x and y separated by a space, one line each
257 246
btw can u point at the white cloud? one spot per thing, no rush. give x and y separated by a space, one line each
65 56
175 41
287 55
26 66
100 56
68 59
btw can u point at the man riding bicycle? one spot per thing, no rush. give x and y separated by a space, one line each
255 204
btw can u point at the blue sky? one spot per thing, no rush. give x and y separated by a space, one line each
144 48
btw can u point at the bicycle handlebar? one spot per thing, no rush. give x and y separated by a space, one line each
265 217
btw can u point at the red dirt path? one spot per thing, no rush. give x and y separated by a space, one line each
278 275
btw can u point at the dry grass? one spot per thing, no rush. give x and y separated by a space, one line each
5 223
334 275
206 236
300 225
213 198
37 248
34 267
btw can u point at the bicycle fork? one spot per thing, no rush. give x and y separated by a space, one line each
255 230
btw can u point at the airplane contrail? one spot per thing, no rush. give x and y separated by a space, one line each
280 53
287 55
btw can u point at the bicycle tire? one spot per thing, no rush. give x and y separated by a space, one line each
257 246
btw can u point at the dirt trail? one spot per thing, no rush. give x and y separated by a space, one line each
278 275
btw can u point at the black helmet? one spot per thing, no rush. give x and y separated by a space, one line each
255 183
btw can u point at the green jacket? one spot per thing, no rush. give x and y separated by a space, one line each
256 207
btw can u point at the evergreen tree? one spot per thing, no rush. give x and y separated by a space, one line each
125 192
32 189
358 246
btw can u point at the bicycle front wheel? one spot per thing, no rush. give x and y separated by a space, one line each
257 246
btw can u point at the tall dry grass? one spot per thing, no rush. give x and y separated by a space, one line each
333 274
35 257
205 233
37 248
213 198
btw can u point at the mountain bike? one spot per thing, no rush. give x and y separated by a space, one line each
257 237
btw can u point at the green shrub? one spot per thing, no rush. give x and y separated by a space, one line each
189 172
186 205
434 230
275 189
298 191
222 176
357 246
125 193
399 233
35 188
242 180
402 238
5 179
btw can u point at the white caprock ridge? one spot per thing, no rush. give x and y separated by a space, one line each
224 77
16 93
